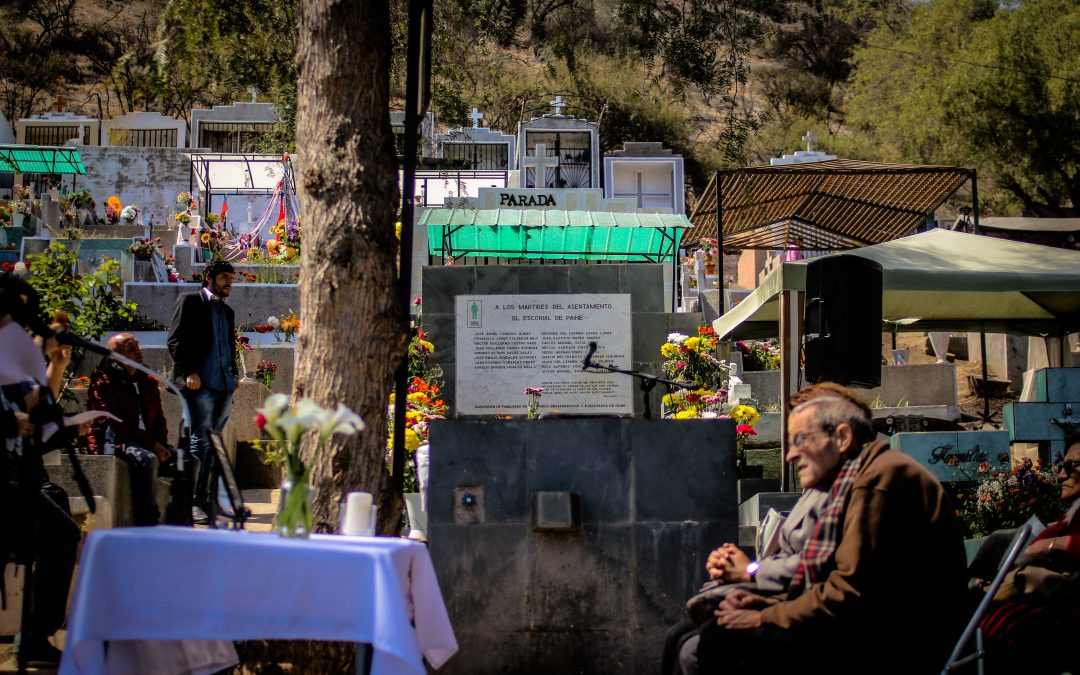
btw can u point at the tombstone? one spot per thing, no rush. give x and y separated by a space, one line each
427 134
234 128
558 150
7 134
144 130
647 173
477 148
57 128
955 456
803 156
556 349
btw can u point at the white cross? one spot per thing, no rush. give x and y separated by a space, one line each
541 162
476 117
809 138
254 94
558 104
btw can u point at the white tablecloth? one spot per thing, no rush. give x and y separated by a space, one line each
173 583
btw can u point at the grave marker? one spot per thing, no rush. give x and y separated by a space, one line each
505 343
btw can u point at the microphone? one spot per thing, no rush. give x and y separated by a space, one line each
586 363
66 338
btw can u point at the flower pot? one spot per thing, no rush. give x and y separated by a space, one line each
251 359
418 517
710 269
17 219
294 509
144 271
82 216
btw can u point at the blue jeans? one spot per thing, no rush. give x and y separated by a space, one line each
209 412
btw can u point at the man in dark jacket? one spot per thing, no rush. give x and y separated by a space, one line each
881 582
203 349
140 438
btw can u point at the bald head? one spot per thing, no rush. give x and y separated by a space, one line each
125 344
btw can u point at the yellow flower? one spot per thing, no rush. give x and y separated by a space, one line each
397 230
412 441
744 414
206 238
692 343
668 350
671 400
686 414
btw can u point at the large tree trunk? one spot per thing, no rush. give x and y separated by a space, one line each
352 329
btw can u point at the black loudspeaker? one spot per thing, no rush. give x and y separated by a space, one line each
842 321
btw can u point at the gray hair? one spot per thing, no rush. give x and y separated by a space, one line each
832 411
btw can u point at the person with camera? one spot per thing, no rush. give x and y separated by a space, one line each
39 530
140 437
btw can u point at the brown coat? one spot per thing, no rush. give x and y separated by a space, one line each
900 568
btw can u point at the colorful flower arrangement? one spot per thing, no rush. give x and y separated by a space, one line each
290 325
285 246
532 402
1008 497
760 354
690 359
113 208
143 249
422 404
287 425
265 372
20 191
184 199
129 213
710 249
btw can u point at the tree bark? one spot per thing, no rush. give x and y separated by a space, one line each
352 330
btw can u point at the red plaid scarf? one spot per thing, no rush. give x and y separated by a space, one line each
816 560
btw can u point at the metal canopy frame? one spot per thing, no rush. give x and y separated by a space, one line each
831 205
41 159
200 171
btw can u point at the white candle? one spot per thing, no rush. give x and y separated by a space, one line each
357 513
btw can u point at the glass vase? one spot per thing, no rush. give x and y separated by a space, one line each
294 508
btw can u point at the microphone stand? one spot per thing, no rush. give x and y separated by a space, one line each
647 382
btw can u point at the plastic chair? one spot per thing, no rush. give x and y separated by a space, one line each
1019 542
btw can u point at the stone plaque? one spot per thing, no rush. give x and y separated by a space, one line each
508 342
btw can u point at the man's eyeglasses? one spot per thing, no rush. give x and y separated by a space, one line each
800 439
1069 465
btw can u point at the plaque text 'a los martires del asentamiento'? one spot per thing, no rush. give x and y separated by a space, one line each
508 342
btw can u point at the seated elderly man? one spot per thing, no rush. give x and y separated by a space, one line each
880 585
140 438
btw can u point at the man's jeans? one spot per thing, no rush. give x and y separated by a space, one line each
209 412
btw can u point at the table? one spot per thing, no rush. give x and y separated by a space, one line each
181 584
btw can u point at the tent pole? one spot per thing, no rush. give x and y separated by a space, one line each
720 241
985 377
791 305
975 200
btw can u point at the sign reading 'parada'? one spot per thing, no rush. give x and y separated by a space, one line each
566 199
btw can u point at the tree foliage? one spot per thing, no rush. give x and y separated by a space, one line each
983 84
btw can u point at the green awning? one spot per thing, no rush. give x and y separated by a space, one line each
40 159
568 235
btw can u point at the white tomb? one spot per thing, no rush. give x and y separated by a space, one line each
477 148
648 174
803 156
57 128
232 128
144 130
559 151
427 134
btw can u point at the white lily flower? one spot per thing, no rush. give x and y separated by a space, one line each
340 421
676 338
306 414
273 321
273 407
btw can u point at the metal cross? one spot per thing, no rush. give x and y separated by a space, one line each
476 117
541 162
809 138
558 104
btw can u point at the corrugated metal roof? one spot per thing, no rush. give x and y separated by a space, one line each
40 159
836 204
553 234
